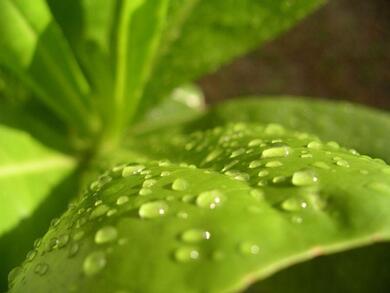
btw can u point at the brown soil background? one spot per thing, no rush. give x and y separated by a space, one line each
342 51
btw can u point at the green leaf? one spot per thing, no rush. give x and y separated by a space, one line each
28 172
33 47
90 34
234 205
139 29
351 125
202 35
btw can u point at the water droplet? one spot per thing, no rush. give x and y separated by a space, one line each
94 263
145 191
279 179
73 249
41 268
131 170
186 254
315 145
188 198
263 173
306 156
182 215
95 186
230 165
122 200
13 274
304 178
275 152
195 235
106 234
237 153
37 242
238 175
293 204
153 209
297 219
249 248
111 212
255 164
321 165
31 255
213 155
255 142
210 199
98 202
179 184
63 240
334 145
55 222
273 164
257 194
99 211
274 129
149 183
165 173
262 182
342 163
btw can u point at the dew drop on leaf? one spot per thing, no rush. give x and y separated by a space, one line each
248 248
186 254
263 173
314 145
304 178
145 191
255 142
131 170
254 164
273 164
106 234
73 249
179 184
122 200
149 183
195 235
165 173
153 209
210 199
276 152
293 204
94 263
41 268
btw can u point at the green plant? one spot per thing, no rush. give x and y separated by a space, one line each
166 196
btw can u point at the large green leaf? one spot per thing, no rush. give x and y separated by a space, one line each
28 172
234 205
354 126
202 35
33 47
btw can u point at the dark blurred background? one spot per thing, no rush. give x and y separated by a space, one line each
342 51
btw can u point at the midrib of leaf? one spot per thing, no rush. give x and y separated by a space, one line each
36 166
74 99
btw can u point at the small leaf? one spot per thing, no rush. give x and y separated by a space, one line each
227 225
